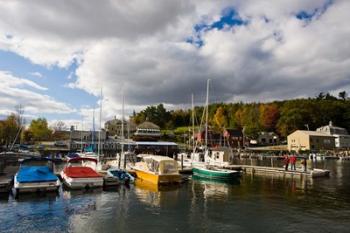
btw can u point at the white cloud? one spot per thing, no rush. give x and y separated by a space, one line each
15 91
36 74
139 48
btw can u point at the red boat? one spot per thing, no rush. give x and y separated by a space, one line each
77 176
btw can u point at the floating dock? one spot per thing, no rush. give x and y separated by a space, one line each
274 171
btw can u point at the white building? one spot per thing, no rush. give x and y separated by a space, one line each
342 138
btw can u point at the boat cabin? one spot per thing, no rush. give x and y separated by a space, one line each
160 165
219 156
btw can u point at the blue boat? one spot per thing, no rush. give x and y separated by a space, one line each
34 175
122 176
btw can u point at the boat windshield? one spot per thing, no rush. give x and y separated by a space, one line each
168 167
152 165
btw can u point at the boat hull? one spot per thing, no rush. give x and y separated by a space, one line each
158 179
215 175
81 183
36 186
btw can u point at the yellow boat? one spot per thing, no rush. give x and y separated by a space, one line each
157 169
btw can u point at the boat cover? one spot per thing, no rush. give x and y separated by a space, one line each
122 175
29 174
80 172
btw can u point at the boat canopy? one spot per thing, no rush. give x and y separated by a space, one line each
80 172
29 174
161 164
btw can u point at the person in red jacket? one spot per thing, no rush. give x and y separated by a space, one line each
293 160
286 161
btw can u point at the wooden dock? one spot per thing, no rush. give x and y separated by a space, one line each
274 171
5 184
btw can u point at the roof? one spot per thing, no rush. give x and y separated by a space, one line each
155 143
148 125
312 133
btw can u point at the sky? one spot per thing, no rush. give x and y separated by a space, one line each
57 56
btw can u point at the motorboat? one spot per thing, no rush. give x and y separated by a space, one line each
77 176
123 176
35 175
213 172
157 169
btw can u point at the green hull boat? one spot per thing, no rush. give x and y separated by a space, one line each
215 173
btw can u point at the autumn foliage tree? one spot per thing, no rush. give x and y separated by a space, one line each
268 116
220 118
8 130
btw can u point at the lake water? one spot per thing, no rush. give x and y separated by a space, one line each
256 204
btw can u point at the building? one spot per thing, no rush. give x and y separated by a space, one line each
342 137
114 127
234 137
303 140
214 138
268 138
80 139
147 131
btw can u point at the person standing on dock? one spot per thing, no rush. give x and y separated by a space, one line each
286 161
293 160
303 162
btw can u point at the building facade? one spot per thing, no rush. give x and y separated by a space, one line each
114 127
342 137
302 140
234 137
147 131
268 138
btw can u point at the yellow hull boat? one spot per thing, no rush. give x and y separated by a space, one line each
157 170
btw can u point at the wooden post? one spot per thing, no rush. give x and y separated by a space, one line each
182 161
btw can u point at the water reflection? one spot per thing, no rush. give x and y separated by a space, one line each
255 204
155 195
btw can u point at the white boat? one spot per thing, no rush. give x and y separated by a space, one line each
77 176
34 175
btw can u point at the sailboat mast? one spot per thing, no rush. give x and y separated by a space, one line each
206 114
193 123
122 153
81 136
128 124
93 129
99 133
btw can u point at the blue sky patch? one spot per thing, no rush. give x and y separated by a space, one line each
229 18
53 78
308 15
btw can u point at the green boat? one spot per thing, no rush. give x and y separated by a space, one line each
210 172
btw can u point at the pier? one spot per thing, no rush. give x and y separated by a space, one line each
281 172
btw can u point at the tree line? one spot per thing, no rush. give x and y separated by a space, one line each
282 117
12 131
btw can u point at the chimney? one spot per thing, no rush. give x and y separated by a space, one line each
330 123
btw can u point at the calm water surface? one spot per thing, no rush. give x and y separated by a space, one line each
256 204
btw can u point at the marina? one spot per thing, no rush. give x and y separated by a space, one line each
315 205
174 116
